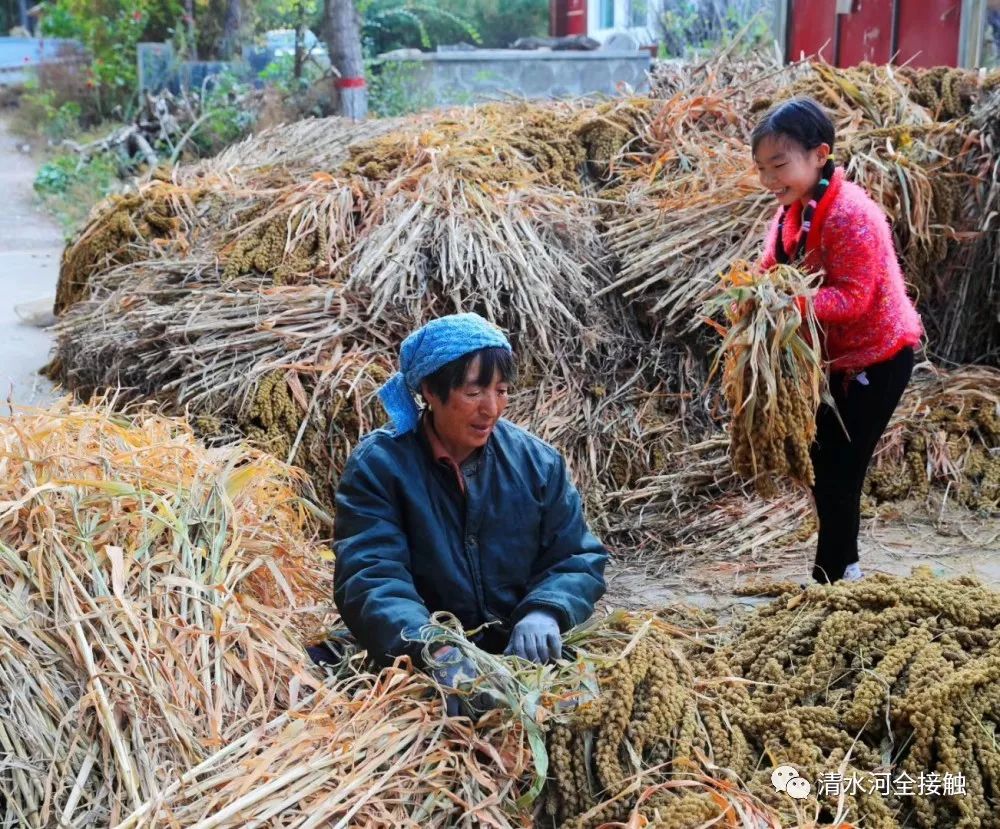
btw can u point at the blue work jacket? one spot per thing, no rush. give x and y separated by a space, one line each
409 543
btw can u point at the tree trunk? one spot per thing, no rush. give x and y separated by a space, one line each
232 28
343 41
300 27
192 34
22 16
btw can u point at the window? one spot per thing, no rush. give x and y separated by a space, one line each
638 14
991 46
607 14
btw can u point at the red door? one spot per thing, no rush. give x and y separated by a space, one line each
918 32
866 33
928 32
812 28
568 17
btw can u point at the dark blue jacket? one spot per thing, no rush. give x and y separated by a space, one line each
408 543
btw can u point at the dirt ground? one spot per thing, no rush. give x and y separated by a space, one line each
952 543
30 246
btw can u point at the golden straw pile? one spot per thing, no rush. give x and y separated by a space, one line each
945 432
158 595
156 598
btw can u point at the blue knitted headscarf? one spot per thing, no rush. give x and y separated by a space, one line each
425 351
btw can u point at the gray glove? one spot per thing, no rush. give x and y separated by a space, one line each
536 637
453 670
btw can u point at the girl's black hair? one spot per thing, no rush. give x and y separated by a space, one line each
801 120
452 375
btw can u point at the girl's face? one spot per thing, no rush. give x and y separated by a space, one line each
790 172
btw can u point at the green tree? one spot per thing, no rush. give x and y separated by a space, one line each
501 22
411 24
285 14
692 26
110 30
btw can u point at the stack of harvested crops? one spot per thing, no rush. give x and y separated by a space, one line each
274 308
683 206
941 445
179 210
365 751
156 597
773 376
912 164
294 369
610 129
926 149
283 322
969 325
301 147
890 682
687 201
156 600
945 433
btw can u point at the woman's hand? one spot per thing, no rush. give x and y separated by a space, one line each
536 637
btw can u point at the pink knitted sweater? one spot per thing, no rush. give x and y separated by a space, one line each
862 304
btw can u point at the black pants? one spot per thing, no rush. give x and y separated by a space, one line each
840 462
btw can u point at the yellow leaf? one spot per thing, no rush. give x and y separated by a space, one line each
237 480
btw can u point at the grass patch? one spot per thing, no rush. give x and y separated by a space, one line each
68 186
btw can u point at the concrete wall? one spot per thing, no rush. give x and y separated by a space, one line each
474 76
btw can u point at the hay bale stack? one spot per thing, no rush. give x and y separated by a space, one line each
156 600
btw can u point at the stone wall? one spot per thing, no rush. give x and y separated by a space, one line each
464 77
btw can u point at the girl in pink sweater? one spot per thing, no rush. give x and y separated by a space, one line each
870 326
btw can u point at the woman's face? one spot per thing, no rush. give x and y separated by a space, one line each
465 422
788 171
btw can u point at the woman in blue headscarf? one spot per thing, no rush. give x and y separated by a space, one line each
453 508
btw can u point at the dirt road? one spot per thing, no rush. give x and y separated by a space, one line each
30 246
